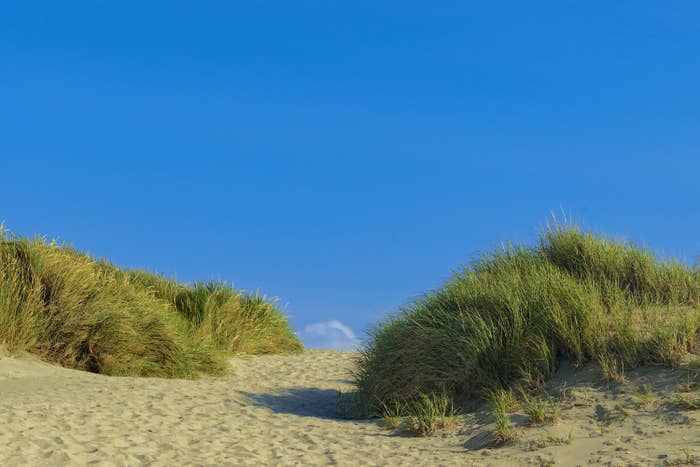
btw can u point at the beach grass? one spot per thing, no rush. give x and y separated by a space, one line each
505 321
87 314
430 413
502 403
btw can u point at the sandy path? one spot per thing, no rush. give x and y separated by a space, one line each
279 410
272 410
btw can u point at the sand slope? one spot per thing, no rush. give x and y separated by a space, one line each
279 410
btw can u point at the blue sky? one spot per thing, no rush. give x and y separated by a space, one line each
345 157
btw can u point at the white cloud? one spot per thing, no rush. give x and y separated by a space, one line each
330 335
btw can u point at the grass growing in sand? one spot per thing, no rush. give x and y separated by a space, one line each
421 417
541 411
643 396
505 320
687 402
502 403
87 314
432 412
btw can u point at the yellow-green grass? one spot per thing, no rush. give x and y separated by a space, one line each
505 320
423 417
83 313
501 404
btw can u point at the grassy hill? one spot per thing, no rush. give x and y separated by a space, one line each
83 313
508 318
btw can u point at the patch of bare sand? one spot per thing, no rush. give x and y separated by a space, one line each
279 410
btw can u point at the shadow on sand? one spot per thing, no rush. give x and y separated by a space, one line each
305 402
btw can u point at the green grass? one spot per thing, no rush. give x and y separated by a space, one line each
541 411
547 441
235 322
87 314
506 319
393 414
422 417
611 369
503 401
430 413
501 404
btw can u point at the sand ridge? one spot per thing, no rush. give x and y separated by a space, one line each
279 410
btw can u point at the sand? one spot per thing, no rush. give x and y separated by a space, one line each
279 410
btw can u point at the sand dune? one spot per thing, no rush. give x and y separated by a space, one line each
279 410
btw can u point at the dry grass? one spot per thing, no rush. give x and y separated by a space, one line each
82 313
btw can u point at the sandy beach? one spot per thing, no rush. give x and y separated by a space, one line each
279 410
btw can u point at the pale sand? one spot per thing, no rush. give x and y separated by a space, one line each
279 410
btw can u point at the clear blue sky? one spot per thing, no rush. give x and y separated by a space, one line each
345 157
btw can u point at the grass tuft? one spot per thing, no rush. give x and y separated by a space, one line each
422 417
393 414
541 411
430 413
611 369
547 441
503 432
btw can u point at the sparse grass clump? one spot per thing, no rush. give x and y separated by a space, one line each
541 411
431 412
643 396
547 441
502 403
611 369
506 319
393 414
546 461
686 401
82 313
422 417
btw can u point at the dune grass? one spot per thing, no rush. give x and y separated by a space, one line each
82 313
430 413
506 319
501 404
234 321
